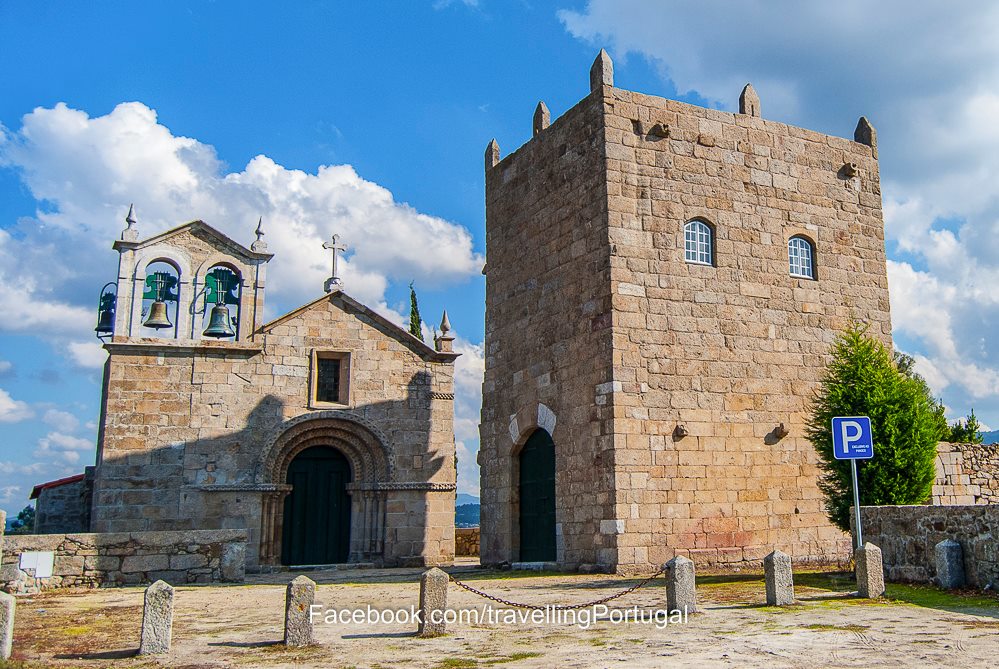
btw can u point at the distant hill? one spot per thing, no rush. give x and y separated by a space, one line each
465 498
466 515
990 437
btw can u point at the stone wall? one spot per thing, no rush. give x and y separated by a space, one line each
966 474
196 432
907 536
593 312
65 508
466 541
127 558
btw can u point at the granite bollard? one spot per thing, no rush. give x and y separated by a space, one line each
298 601
7 604
779 579
681 589
870 571
950 564
433 602
157 619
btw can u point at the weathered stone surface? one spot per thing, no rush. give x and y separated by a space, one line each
681 589
157 619
433 602
198 433
608 325
602 71
7 606
870 571
779 579
907 536
749 101
66 507
542 118
865 133
93 560
950 564
466 541
299 597
966 474
492 154
3 529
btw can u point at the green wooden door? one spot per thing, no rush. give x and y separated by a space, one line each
537 499
317 510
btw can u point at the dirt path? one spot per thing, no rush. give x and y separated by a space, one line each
239 626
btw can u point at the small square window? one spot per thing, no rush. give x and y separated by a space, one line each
330 382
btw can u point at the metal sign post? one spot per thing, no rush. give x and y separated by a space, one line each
853 440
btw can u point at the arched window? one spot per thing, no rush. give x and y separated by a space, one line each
220 310
697 243
160 299
801 258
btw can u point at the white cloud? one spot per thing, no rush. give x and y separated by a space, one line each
64 446
5 367
61 420
88 354
927 75
88 169
9 493
11 410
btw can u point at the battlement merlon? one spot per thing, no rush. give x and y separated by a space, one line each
864 142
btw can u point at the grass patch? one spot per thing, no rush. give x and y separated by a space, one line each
516 657
820 627
598 642
457 663
932 597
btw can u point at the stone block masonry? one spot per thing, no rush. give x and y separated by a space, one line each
593 313
466 541
908 536
127 558
966 474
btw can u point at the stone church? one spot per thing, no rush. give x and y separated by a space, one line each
663 285
327 433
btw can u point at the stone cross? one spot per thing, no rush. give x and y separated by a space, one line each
950 564
870 571
298 601
157 619
334 281
779 579
681 590
7 603
433 598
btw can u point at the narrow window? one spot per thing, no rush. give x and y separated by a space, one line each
800 257
697 243
329 379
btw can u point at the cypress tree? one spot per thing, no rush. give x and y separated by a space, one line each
864 379
415 323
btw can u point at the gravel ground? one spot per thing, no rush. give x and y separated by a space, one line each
241 626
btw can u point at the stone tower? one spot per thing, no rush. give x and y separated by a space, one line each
663 285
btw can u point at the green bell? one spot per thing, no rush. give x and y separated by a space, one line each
219 326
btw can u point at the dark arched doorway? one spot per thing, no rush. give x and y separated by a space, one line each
317 511
537 498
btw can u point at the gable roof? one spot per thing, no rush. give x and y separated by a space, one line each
195 226
401 335
37 490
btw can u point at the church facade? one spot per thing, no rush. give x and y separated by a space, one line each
327 433
663 285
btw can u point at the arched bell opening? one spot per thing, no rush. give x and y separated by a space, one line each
160 300
220 303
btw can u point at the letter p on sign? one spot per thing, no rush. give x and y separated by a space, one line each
852 438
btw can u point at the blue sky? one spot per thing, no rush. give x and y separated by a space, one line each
371 118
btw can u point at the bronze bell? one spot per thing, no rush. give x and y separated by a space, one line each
219 326
105 322
158 317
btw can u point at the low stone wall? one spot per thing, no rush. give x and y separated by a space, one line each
466 541
127 558
966 474
907 536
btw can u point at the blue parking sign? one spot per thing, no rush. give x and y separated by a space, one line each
852 438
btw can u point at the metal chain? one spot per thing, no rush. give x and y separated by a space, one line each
556 607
